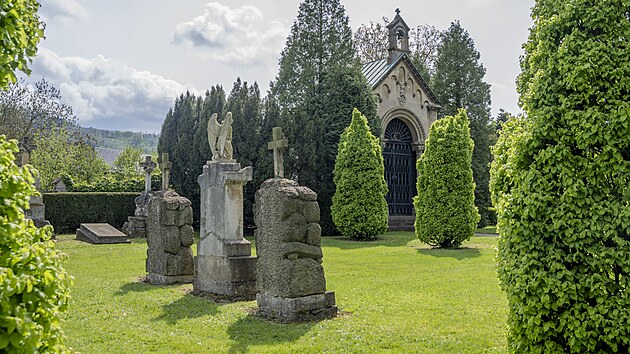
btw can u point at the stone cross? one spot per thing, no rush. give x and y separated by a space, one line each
148 166
25 149
165 166
277 145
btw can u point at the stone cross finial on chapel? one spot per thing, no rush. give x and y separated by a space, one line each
165 166
25 149
277 145
148 166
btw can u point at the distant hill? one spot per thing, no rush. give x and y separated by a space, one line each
118 140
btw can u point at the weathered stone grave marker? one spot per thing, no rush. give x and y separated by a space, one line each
223 265
169 237
289 275
148 166
36 209
136 225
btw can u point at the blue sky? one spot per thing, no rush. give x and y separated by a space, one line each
120 64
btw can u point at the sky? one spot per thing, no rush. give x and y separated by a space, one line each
120 64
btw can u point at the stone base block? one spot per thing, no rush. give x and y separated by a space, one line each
300 309
136 227
226 276
159 279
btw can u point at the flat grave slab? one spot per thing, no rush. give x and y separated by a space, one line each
100 234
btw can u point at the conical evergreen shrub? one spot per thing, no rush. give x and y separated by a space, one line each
446 214
359 208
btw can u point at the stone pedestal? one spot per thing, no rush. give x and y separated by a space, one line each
169 237
224 264
290 277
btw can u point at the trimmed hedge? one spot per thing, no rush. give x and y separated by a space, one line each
66 211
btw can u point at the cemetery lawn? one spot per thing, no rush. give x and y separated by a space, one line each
394 294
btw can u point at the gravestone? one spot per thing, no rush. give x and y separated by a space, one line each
98 233
224 265
148 166
136 225
169 237
289 275
58 185
36 208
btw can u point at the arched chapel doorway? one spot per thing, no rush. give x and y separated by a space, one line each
400 167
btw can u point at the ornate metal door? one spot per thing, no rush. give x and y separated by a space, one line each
400 168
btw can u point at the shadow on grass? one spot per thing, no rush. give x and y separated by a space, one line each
390 239
187 307
136 286
457 253
252 330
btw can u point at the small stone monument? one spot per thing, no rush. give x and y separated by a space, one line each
136 225
165 166
290 277
148 166
169 237
224 265
36 209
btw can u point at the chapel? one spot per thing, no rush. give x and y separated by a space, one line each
407 108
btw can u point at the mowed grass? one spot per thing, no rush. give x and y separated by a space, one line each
394 295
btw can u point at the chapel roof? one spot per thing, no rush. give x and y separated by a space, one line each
376 71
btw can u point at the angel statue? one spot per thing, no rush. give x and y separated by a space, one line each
220 137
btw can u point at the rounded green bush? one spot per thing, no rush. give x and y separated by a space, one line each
561 183
33 285
359 208
446 214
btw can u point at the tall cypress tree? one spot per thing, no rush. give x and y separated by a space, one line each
560 182
458 83
245 104
318 67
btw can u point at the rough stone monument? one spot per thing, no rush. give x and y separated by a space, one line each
136 225
169 237
289 274
36 209
224 265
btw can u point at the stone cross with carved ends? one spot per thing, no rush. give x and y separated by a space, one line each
148 166
165 166
25 150
277 145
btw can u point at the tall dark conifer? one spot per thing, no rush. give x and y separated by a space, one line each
318 85
458 83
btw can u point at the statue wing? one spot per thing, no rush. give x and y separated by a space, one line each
225 130
213 131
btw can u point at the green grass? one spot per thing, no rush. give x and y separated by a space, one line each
487 230
394 294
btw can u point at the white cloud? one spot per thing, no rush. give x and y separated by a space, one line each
238 35
62 11
108 94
